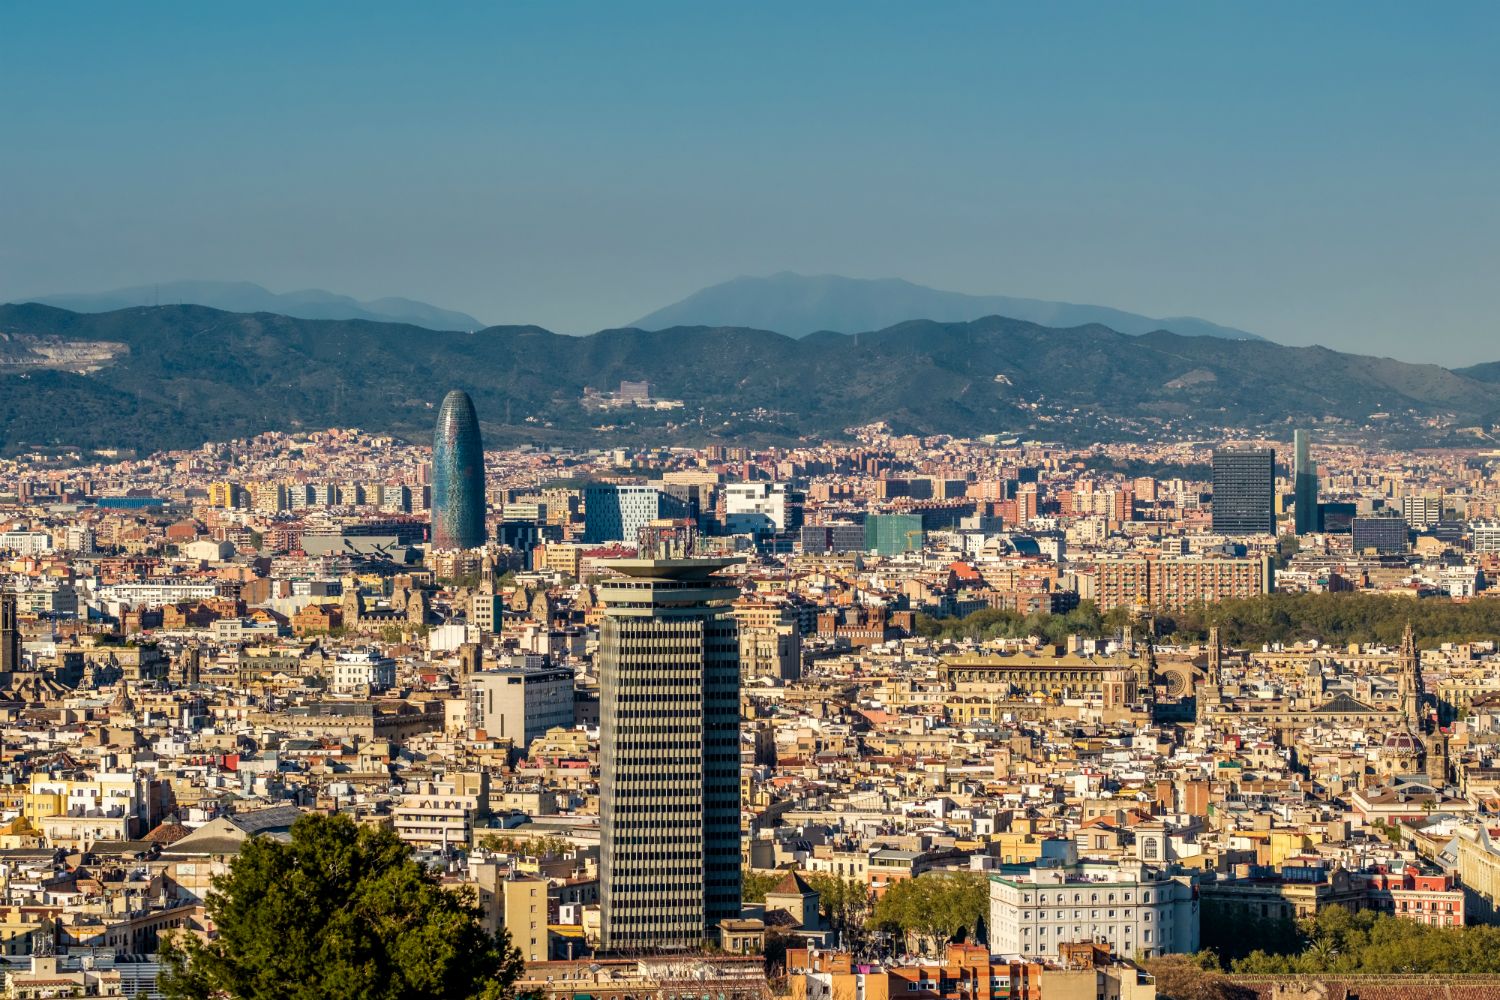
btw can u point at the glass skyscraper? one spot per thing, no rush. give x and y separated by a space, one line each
457 476
669 757
1245 492
1304 487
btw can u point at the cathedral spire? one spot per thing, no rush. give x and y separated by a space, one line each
1410 682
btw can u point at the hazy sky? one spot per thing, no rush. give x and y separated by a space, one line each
1313 172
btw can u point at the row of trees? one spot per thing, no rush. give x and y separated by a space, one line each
1251 621
935 908
1338 941
924 912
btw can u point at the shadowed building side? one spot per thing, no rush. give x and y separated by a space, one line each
457 476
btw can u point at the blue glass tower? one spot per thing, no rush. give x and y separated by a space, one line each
457 476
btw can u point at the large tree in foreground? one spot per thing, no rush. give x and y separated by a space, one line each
341 911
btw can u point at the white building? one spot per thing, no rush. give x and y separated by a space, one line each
79 538
1486 536
156 594
487 612
1134 908
440 813
245 630
208 550
1422 511
26 543
757 508
363 671
521 703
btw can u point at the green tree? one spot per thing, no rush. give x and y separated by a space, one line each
1287 546
548 846
1375 943
845 903
342 911
754 885
932 908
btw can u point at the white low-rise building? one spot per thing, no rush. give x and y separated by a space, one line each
1134 908
363 671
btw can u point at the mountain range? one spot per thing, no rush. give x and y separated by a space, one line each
178 376
797 305
246 297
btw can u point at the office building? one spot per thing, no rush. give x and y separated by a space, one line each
1244 491
1304 487
761 508
838 537
1486 536
521 703
893 534
669 808
613 512
1383 535
10 638
1422 511
457 476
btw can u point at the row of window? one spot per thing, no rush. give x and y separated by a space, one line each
1062 897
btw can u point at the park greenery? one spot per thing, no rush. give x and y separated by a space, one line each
1336 942
342 911
1337 619
1367 942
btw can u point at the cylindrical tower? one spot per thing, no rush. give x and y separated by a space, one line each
457 476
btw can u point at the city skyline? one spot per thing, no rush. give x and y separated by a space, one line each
895 593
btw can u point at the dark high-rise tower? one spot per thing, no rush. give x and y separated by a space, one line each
10 638
1304 487
669 735
457 476
1245 492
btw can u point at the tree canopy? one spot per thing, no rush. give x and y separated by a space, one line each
933 907
342 911
1336 618
998 623
1338 941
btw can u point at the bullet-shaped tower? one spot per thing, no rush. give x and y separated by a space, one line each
457 476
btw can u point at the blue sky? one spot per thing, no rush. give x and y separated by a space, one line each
1317 173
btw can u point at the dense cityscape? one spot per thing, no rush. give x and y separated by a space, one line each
815 720
778 501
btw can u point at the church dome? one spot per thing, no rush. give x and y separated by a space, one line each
1401 740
